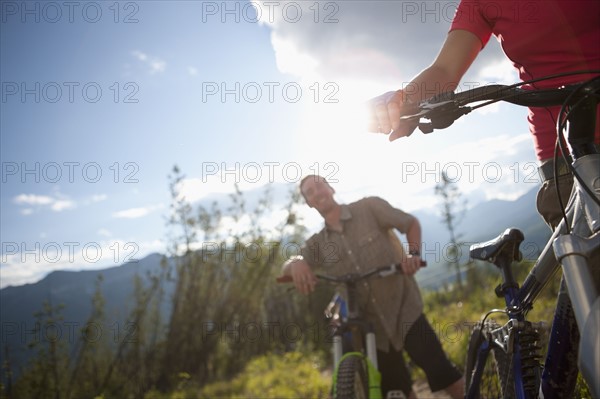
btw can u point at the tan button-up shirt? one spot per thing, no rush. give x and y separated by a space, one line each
367 241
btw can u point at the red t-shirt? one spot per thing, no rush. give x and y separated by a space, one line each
540 37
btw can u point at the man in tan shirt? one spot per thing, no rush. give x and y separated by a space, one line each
359 237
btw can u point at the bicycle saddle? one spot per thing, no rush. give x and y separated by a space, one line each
506 243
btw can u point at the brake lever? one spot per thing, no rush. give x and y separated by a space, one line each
441 114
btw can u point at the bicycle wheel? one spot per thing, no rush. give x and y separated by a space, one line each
497 378
352 381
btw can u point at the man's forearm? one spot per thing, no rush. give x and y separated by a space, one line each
413 237
286 268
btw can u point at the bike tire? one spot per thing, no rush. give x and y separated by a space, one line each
497 379
352 379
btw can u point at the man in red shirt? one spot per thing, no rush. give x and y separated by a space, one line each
541 38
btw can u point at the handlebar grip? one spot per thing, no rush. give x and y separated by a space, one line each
289 279
284 279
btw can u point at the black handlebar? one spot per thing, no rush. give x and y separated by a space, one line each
443 109
512 94
354 277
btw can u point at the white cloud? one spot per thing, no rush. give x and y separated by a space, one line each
134 213
191 190
104 233
381 42
221 178
22 264
496 147
192 71
98 197
155 64
499 71
371 40
42 202
32 199
139 55
61 205
290 59
131 213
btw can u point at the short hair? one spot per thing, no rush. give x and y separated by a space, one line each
312 176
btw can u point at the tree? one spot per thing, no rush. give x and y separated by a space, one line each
452 211
225 309
225 303
92 351
46 375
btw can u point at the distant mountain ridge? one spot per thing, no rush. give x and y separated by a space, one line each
480 223
69 285
75 290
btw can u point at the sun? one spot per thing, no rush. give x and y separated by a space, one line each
333 140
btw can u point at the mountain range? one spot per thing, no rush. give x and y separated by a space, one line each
480 223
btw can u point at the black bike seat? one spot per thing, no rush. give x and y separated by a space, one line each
508 241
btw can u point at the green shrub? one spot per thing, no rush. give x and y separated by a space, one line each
291 375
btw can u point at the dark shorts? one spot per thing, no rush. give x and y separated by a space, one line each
548 207
547 201
424 348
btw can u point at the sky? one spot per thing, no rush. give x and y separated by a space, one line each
100 99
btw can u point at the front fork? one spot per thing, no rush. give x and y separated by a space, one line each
338 349
371 349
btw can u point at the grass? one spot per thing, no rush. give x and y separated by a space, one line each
304 374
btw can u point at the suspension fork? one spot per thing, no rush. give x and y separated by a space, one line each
575 253
359 328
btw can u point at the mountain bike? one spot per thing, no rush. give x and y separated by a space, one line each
356 372
575 330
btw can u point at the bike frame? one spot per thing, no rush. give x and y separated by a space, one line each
363 337
356 324
359 329
572 250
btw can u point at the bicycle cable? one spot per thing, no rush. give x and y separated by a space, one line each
451 96
490 312
560 122
530 81
563 208
563 117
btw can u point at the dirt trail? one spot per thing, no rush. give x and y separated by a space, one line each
422 390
